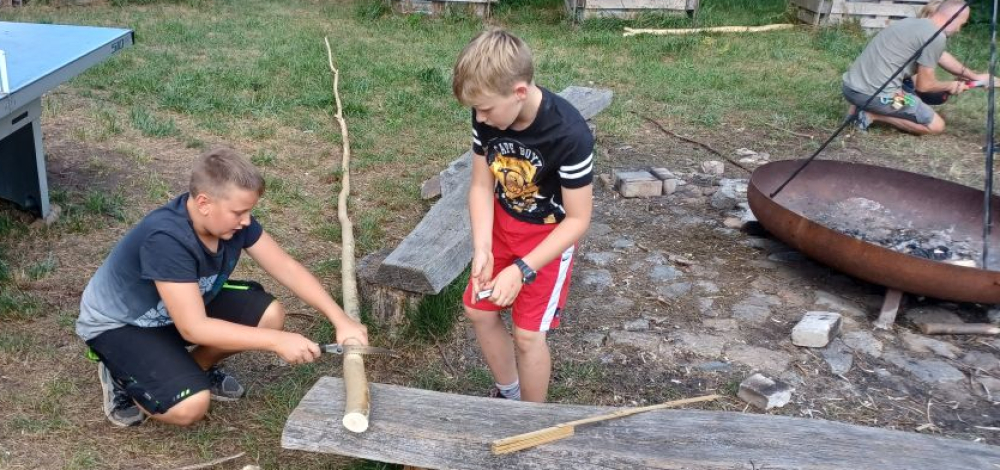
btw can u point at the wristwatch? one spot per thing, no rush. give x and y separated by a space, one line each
527 274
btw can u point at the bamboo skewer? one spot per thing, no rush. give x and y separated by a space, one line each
560 431
357 404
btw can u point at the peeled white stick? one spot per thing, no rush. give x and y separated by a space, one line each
717 29
356 404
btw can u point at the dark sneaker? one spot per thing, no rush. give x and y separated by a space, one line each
118 406
495 393
223 386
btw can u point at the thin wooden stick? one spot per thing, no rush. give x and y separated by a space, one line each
959 329
357 405
718 29
560 431
806 136
212 463
692 141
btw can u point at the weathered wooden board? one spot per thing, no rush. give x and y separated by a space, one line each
437 430
440 246
869 14
583 9
480 8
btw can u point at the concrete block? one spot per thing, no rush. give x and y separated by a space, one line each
816 329
663 174
765 393
638 184
713 167
669 186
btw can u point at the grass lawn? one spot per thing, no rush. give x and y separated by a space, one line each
253 74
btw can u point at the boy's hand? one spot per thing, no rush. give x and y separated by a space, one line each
294 348
506 286
482 270
352 332
958 86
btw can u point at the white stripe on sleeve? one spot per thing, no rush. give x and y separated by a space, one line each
579 174
585 162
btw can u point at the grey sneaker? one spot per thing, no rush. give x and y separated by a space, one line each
223 386
863 121
118 406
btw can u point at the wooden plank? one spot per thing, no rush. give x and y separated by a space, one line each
440 246
445 431
635 4
883 9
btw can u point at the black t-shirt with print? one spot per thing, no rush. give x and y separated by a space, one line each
531 166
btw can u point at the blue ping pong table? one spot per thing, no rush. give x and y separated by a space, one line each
39 58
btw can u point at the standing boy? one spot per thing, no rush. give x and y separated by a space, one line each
529 204
164 288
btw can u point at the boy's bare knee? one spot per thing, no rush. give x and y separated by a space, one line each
525 340
273 317
188 411
936 126
480 316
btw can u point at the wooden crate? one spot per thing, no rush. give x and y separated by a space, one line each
583 9
870 14
480 8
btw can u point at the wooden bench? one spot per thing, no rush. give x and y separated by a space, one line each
435 430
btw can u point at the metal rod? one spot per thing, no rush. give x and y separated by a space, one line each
853 117
990 123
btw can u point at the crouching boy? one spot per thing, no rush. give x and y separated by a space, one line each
161 311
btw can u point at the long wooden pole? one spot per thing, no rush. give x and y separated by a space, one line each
356 403
718 29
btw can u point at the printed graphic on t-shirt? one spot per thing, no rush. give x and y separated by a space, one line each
516 167
158 316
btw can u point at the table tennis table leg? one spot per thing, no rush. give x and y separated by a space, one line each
23 180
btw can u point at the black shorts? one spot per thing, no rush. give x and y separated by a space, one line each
154 364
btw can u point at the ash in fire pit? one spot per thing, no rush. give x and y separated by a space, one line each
868 220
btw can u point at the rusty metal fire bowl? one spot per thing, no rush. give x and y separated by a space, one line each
917 200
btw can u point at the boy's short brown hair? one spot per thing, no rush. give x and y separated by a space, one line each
217 169
490 65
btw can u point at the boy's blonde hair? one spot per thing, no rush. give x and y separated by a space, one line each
217 169
490 65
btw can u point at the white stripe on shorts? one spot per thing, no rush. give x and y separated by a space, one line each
550 310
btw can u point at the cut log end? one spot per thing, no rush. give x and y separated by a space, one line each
356 422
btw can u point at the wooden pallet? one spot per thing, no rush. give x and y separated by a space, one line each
870 14
584 9
480 8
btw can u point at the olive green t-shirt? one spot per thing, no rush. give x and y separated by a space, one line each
890 49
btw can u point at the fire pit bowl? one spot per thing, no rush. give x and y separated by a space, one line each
921 201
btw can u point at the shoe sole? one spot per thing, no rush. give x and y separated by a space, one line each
223 398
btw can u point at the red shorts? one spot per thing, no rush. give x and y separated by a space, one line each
539 304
